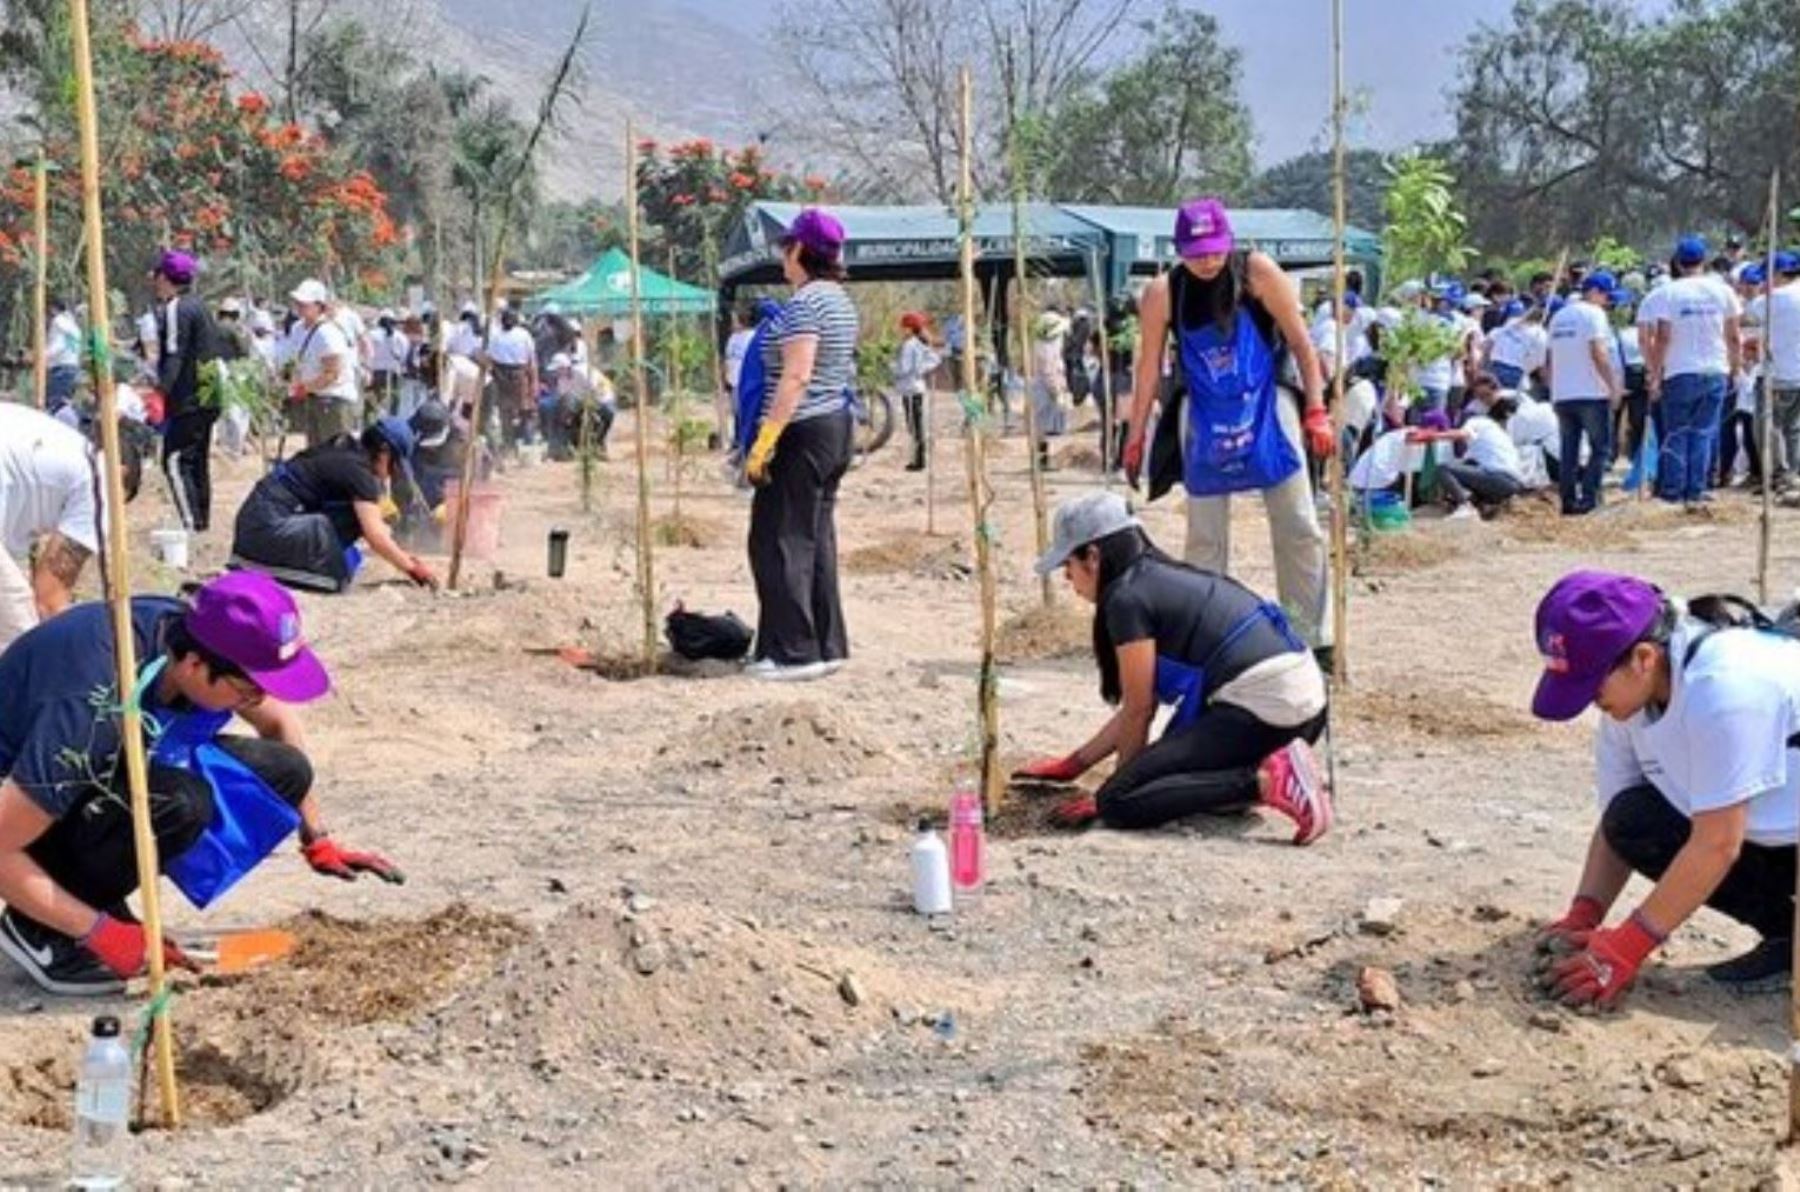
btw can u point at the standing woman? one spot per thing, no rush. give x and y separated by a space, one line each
912 364
1226 424
799 457
1247 694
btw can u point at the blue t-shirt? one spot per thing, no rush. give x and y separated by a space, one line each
59 701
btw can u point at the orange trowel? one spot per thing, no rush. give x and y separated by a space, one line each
227 952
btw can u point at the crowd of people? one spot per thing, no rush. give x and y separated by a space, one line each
1220 382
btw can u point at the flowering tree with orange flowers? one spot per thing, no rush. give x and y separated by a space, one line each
693 192
187 162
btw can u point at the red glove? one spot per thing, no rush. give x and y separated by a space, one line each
1601 973
422 575
1321 440
1076 812
324 855
1570 933
1052 769
1133 459
120 946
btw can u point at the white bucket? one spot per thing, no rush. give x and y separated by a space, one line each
171 546
532 454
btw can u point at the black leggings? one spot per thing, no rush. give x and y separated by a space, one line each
90 851
793 545
1646 831
1208 767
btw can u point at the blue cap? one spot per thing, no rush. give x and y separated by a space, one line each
1556 303
1787 261
1514 309
1352 299
1690 250
1600 279
1753 275
398 434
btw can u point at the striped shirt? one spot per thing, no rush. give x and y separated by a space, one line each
823 310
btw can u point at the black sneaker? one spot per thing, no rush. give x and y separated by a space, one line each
1763 969
57 963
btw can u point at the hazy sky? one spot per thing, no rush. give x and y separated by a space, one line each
1402 53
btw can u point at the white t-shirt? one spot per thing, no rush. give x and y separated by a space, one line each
1781 330
1522 345
1723 738
391 348
62 342
1695 310
45 481
1573 375
352 325
315 345
464 341
1324 337
1535 432
735 349
1493 448
513 348
1468 340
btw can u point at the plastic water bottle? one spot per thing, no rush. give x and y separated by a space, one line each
102 1111
968 840
930 872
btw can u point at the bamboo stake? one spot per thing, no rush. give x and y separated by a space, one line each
1766 419
40 304
466 494
981 494
1022 313
118 561
646 576
927 410
1340 517
1109 417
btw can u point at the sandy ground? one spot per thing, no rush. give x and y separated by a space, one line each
656 932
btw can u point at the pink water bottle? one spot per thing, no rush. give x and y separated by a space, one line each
968 840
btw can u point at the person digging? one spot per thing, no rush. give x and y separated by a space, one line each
219 804
1248 696
1698 780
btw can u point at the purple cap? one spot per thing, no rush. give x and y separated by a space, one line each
178 267
251 621
1202 229
817 229
1434 420
1585 624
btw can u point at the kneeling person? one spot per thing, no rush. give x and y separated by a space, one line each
1698 778
1248 696
67 854
301 522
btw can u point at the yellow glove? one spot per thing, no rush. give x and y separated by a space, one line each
756 467
389 510
441 513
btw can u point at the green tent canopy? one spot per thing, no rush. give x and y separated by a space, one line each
604 291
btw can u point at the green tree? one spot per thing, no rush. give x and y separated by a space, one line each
1166 124
1305 181
1425 232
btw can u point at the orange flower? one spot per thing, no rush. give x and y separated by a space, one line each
251 103
295 168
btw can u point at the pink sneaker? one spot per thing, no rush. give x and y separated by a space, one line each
1295 788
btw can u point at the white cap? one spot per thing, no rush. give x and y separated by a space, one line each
560 360
260 321
387 312
231 306
311 291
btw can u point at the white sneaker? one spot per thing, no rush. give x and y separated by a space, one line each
770 671
834 665
1462 513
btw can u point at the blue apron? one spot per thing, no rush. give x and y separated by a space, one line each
1233 435
249 820
1185 686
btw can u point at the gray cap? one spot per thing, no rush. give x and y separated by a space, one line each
1083 520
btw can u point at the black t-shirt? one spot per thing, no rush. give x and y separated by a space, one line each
59 701
331 474
1194 302
1190 614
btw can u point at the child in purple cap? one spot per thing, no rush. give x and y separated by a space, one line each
187 344
218 803
1223 315
1698 777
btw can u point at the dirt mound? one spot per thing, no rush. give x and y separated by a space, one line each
687 531
687 989
1061 630
914 554
1396 554
1618 526
1078 457
1439 713
801 741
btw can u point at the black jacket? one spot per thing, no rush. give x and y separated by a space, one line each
196 343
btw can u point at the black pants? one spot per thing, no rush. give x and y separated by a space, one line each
1208 767
1739 421
793 545
1463 481
1646 831
914 404
187 462
1632 422
90 851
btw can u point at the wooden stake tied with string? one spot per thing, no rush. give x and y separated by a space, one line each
1340 513
646 563
40 292
1040 513
117 564
981 494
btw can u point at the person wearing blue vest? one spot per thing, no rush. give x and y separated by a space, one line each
219 804
1227 425
1247 695
302 521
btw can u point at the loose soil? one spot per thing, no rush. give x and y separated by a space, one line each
911 554
1064 629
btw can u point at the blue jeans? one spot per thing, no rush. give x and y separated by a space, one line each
1580 483
1509 375
1691 404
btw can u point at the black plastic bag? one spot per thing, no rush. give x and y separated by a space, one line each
697 636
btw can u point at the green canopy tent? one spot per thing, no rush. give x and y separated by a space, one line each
604 291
